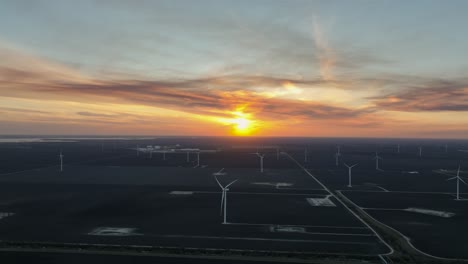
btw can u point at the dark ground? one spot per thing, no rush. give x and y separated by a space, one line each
112 187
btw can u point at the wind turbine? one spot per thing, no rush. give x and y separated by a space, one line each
224 198
349 173
61 161
420 151
337 154
377 157
458 182
261 161
198 159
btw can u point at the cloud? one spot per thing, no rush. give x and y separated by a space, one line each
431 95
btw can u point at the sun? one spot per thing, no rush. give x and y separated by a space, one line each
242 124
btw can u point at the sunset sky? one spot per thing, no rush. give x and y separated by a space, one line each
262 68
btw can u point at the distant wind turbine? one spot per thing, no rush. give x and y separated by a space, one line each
224 198
261 156
420 151
377 157
459 179
61 161
349 173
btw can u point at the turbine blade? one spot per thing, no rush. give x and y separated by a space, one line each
231 183
463 181
449 179
354 165
216 178
346 165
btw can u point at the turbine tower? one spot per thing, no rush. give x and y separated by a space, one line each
377 157
459 179
61 161
349 173
198 159
224 198
420 151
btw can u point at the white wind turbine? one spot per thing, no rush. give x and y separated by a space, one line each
61 160
224 198
198 159
459 179
377 157
349 173
261 156
261 161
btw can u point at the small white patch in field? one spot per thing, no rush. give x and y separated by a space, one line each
276 184
321 202
287 229
430 212
114 231
5 215
181 193
412 172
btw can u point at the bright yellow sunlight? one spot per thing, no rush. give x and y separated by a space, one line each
241 123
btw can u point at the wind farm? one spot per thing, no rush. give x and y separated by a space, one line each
307 206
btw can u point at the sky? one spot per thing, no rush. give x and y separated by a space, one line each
243 68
